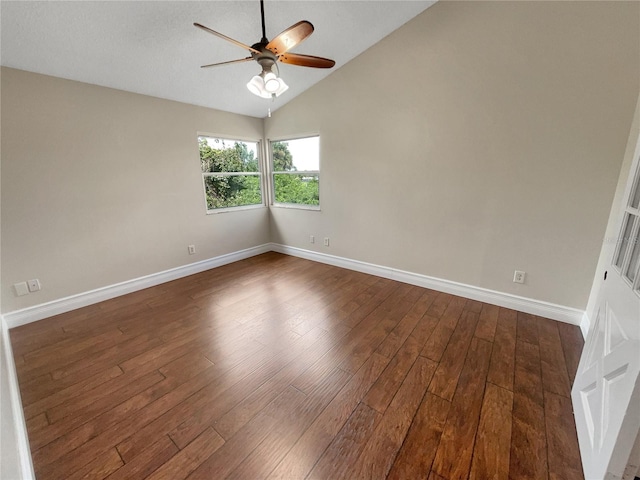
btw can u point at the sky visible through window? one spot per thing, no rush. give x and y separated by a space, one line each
305 152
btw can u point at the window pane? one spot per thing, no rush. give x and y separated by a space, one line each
301 154
296 188
632 269
624 241
220 155
635 194
232 191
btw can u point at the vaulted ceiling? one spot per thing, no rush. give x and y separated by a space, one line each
152 47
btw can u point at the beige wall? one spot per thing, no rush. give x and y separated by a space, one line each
480 138
100 186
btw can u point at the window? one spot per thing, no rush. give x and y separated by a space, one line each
627 256
296 171
230 172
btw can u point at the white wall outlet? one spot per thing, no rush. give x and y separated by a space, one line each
326 241
192 249
312 239
34 285
21 289
518 276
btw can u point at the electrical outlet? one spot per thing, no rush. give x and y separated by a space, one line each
312 239
326 241
518 276
21 289
192 249
34 285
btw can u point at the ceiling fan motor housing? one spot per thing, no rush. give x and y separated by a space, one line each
266 58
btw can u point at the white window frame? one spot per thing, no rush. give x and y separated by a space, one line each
259 173
272 172
632 215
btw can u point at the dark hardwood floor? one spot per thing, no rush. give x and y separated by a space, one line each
278 367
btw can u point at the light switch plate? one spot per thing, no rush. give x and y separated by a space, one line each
21 289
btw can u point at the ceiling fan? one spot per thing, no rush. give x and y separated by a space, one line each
267 53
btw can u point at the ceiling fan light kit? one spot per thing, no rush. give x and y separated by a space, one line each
267 85
267 53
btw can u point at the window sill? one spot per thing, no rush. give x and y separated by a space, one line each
235 209
297 206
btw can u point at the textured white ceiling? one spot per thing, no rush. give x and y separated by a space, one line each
152 47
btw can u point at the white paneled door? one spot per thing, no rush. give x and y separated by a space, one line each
606 392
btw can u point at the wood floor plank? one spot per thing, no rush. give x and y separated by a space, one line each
390 314
100 467
434 476
58 438
528 457
44 403
218 404
390 380
448 372
231 421
148 461
572 344
189 458
528 446
36 335
171 410
87 405
309 379
527 330
347 445
262 460
265 438
85 368
453 458
93 406
38 422
423 330
502 366
453 311
279 367
416 456
439 305
488 322
437 341
528 373
493 440
127 419
562 441
299 461
383 444
390 346
555 377
369 301
51 358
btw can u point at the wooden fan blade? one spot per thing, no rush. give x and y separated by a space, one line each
291 37
228 39
240 60
306 60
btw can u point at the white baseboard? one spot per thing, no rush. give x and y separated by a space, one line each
19 424
522 304
56 307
